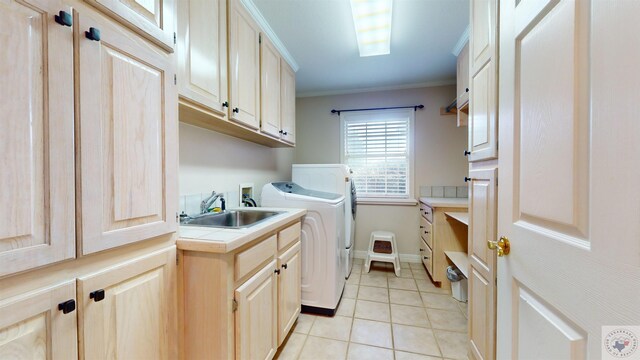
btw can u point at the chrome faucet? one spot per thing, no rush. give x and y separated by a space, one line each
206 203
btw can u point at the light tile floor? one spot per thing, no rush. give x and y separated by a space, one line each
382 316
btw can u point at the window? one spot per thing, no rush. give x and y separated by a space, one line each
378 147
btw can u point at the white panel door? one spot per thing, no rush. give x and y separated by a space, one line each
568 196
37 188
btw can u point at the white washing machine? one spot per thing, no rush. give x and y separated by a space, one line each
335 178
322 240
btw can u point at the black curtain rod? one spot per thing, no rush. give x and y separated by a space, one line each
414 107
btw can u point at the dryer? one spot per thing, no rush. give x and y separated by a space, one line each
335 178
322 240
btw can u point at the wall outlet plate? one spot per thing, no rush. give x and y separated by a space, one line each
245 189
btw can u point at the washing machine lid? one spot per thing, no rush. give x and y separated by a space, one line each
291 189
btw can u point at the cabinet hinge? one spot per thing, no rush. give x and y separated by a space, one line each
260 39
234 305
177 260
175 79
174 38
177 217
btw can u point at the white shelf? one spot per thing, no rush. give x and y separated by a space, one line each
462 217
460 260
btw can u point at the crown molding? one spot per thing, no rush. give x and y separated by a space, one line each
266 28
461 41
380 88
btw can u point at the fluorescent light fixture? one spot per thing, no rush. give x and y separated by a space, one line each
372 20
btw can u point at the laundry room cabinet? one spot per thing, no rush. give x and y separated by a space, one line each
252 294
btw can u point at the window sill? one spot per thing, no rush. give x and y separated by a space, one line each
384 201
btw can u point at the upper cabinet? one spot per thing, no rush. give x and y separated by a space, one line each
483 62
270 112
202 49
287 102
232 78
37 200
462 81
128 137
244 66
153 19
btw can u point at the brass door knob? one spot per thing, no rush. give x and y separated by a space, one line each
503 246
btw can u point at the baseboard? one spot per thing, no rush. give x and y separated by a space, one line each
411 258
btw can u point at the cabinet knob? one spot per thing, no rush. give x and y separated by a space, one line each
285 133
97 295
67 306
225 104
421 250
93 34
466 179
277 271
467 153
466 90
280 132
421 227
425 257
426 232
64 18
236 110
284 266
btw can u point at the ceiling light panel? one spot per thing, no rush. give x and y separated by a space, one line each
372 20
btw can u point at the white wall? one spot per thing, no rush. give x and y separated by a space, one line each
213 161
439 147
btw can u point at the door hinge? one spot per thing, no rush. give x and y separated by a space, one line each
174 38
175 79
234 305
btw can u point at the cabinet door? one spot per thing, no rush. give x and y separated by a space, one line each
269 88
462 77
244 66
289 290
288 102
128 138
256 319
32 326
154 19
483 98
37 206
482 278
202 53
128 311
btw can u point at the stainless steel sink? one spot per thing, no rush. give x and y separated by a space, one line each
234 219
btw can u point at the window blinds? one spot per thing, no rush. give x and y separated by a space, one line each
377 150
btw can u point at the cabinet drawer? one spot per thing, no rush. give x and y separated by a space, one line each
427 212
288 235
250 259
426 231
427 257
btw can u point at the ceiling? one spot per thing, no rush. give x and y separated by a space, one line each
320 36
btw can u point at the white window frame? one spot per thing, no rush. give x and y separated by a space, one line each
345 117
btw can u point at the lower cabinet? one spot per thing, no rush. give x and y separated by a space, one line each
289 290
125 311
252 294
40 324
256 316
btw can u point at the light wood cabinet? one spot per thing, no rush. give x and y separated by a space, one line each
287 102
37 200
482 276
256 317
483 60
462 81
289 290
202 54
270 111
438 235
244 66
252 294
128 138
34 325
127 311
155 20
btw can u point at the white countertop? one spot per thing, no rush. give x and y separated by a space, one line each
445 202
221 240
